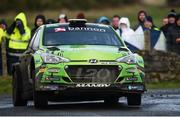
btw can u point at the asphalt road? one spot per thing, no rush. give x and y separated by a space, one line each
155 102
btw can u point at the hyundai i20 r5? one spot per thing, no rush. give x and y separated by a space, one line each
77 61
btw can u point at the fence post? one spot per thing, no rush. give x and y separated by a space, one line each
147 40
4 58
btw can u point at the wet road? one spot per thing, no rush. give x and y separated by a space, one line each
155 102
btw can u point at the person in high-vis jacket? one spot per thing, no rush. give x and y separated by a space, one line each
3 27
19 35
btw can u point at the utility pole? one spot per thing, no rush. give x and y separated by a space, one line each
147 40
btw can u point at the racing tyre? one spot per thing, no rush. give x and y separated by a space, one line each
40 100
17 89
134 99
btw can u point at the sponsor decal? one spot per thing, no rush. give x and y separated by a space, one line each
109 63
86 29
38 61
92 85
93 61
59 29
135 87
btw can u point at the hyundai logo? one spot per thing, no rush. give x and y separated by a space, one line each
93 61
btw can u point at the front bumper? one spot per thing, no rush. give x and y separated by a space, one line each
106 88
73 93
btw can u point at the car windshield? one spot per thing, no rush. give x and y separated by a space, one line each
55 36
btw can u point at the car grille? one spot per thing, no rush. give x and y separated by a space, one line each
93 73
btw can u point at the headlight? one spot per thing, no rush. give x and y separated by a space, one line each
50 58
130 59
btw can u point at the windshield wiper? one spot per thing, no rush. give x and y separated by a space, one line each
53 48
123 49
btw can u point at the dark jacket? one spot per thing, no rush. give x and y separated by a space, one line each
35 25
173 34
165 28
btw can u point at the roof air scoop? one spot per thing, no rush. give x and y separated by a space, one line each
77 22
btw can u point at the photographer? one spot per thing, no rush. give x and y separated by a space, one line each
18 34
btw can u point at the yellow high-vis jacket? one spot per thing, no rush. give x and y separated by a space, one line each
2 34
18 41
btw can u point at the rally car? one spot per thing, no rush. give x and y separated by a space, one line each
77 61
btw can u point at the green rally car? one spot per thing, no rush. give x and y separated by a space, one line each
77 61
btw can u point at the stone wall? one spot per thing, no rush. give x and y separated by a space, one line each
161 66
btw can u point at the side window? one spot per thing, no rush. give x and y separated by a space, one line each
35 44
32 40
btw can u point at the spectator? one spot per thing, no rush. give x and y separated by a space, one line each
124 25
164 25
19 35
148 24
127 33
158 40
171 22
3 28
165 21
104 20
50 21
81 16
39 20
63 18
173 37
141 18
172 17
115 24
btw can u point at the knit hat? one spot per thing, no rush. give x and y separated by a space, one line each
3 22
149 18
172 13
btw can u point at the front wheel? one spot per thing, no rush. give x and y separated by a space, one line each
40 100
134 99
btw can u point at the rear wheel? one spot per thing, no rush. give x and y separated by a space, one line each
17 89
134 99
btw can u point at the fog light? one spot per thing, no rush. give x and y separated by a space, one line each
66 67
42 70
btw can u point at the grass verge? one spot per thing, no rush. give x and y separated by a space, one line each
5 85
164 85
